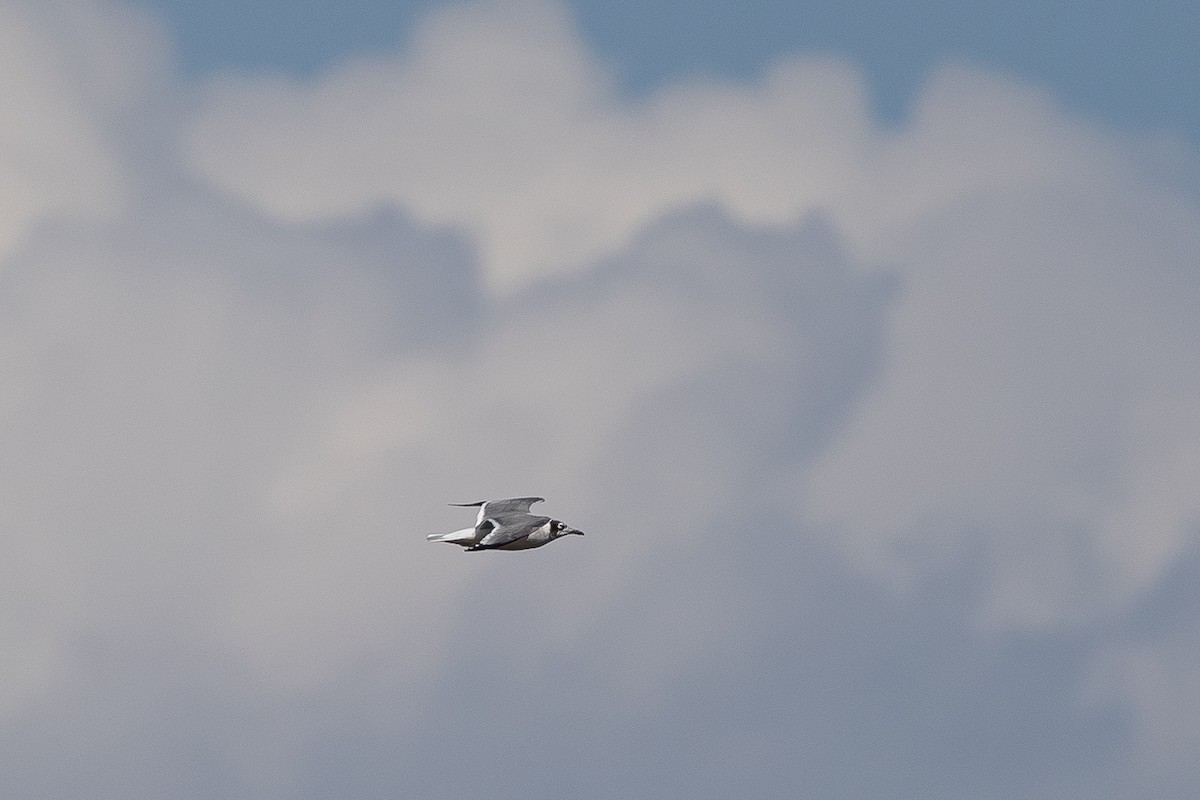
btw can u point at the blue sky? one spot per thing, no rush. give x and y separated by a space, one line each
884 427
1129 64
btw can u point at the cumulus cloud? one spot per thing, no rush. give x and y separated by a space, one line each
884 437
568 170
54 158
1005 213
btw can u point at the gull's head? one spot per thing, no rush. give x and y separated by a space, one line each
558 529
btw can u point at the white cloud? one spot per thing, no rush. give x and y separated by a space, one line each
498 119
234 404
72 78
1018 229
1034 337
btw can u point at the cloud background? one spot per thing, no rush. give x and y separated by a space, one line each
885 437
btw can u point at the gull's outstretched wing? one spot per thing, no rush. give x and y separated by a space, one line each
491 508
508 528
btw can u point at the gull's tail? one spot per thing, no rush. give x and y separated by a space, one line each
465 537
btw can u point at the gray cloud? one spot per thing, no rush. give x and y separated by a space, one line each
886 455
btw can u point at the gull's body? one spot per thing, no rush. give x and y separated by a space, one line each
506 525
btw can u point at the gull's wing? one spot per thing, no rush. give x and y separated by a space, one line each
508 528
491 508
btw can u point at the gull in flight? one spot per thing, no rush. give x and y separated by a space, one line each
506 525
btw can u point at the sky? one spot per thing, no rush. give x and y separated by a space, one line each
1119 63
866 360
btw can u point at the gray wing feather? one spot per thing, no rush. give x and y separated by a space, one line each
491 508
509 528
